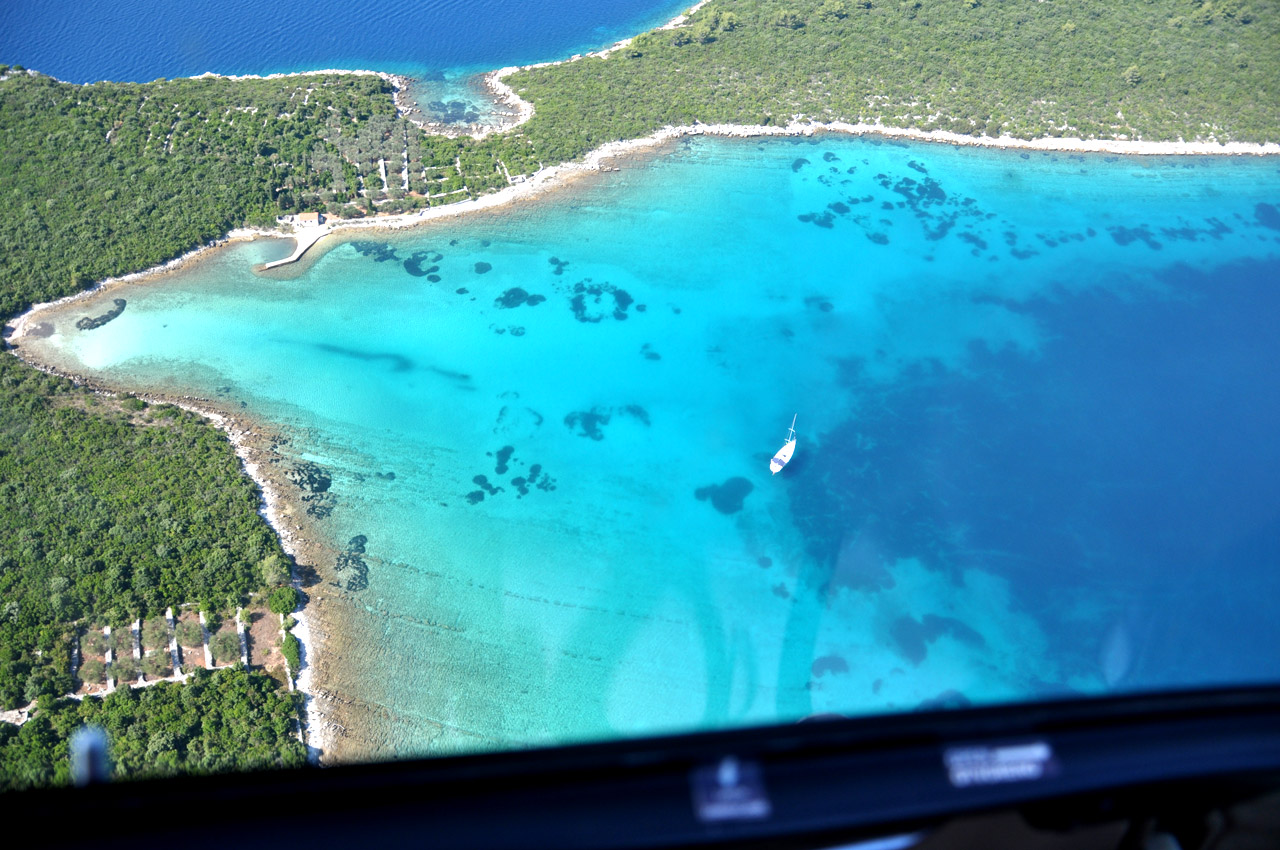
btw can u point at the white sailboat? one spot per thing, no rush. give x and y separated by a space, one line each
788 449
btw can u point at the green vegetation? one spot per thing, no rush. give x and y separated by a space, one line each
225 720
110 178
93 672
124 669
158 664
283 600
93 642
107 516
155 633
225 647
189 634
1173 68
274 570
292 652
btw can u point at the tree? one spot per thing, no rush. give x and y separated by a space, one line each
787 18
283 600
157 664
834 10
124 669
155 632
290 648
92 672
225 647
94 642
189 633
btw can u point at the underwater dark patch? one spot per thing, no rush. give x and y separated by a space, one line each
483 268
949 699
935 626
453 112
414 264
908 637
828 664
1129 235
798 164
637 412
1267 215
310 477
516 296
727 498
88 323
823 219
589 301
589 422
350 567
397 362
379 252
482 482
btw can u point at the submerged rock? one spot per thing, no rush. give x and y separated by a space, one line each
913 636
829 664
590 421
588 301
89 323
515 296
727 498
948 699
351 569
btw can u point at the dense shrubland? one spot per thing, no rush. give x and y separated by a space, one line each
229 719
107 515
1159 70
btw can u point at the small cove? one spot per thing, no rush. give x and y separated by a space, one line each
1032 411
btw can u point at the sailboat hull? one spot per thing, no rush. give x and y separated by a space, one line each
783 457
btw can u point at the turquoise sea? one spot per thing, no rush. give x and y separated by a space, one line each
1036 400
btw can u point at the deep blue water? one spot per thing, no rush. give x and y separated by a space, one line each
1036 396
140 40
